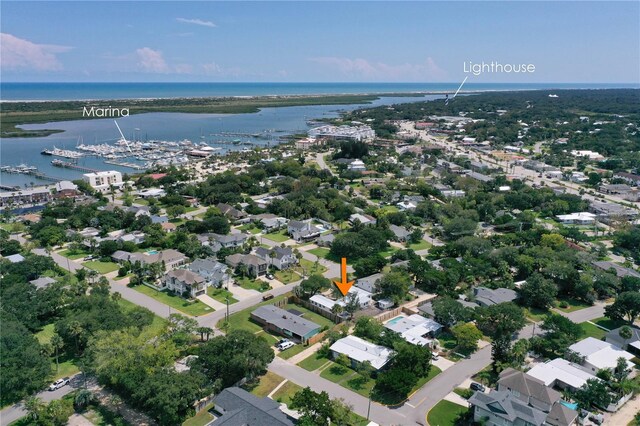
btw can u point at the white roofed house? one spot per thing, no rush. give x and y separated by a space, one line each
364 219
597 354
359 351
562 374
415 329
582 218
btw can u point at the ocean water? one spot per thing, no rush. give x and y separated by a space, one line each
216 130
82 91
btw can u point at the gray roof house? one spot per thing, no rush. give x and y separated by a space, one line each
285 323
279 257
302 231
631 345
255 265
183 281
231 240
487 297
214 272
521 399
42 282
620 271
400 232
241 408
325 240
368 283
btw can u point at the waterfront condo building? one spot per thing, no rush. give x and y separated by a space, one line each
103 181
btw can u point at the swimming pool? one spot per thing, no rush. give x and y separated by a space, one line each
573 406
394 320
152 252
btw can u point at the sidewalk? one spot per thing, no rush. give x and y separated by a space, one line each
304 354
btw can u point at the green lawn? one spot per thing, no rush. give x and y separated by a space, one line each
310 268
286 392
249 228
360 384
536 314
609 324
66 367
313 362
321 252
220 294
337 373
74 254
190 308
445 413
388 252
44 335
287 276
101 416
251 284
241 320
267 383
591 330
203 418
572 304
278 237
101 267
421 245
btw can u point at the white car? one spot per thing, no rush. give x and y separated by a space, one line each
59 383
285 345
435 356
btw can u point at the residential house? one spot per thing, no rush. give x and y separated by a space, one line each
369 283
415 329
406 206
168 227
285 323
486 296
216 274
325 240
302 231
278 257
359 351
630 178
631 345
42 282
184 282
255 266
620 271
400 233
241 408
521 400
136 237
152 193
364 219
597 354
171 258
272 224
560 373
231 212
15 258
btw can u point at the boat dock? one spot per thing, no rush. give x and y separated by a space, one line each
69 165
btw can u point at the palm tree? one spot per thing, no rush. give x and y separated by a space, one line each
204 331
82 400
34 407
57 344
75 329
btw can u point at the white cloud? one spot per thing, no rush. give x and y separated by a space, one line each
196 22
151 60
362 68
16 53
183 69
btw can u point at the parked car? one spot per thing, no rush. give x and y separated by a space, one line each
59 383
269 276
286 345
267 296
90 257
476 387
435 356
281 341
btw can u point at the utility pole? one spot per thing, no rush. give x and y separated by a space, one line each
227 300
369 407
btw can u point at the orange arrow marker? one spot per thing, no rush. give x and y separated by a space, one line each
345 285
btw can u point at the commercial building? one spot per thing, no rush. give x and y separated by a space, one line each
104 181
356 133
582 218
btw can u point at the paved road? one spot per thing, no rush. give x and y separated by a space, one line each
17 411
321 162
379 414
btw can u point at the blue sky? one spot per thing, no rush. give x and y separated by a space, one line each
318 41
